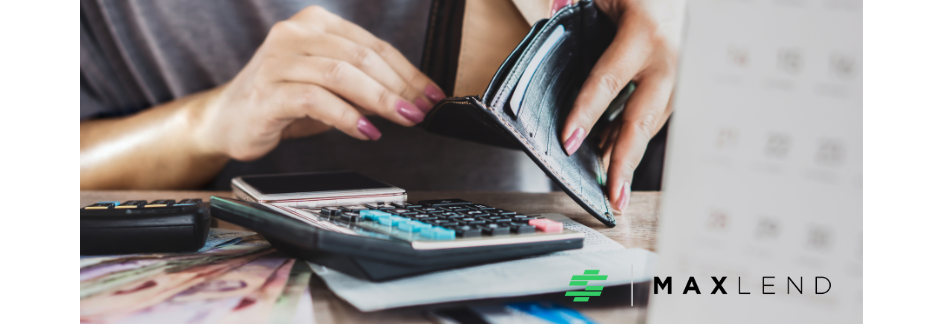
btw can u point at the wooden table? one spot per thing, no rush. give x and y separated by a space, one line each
636 228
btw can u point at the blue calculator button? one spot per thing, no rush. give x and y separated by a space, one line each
428 232
372 215
437 233
413 226
395 220
445 234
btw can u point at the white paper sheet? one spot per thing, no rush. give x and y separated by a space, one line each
536 275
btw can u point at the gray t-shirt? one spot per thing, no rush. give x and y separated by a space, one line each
138 54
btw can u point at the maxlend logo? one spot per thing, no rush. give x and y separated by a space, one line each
583 280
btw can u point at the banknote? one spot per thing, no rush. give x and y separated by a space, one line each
124 265
207 302
238 282
136 296
287 302
221 237
110 275
216 238
256 307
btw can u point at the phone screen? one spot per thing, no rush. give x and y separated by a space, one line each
311 182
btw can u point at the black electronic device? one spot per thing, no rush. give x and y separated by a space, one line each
315 189
136 226
381 241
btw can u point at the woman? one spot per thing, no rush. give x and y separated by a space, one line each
172 92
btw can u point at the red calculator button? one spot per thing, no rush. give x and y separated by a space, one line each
546 225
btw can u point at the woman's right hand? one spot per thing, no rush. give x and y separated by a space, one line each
314 71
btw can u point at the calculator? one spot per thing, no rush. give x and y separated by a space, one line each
383 241
139 226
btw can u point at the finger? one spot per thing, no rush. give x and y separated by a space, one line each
368 61
338 26
304 127
610 142
618 65
350 83
303 101
609 133
642 118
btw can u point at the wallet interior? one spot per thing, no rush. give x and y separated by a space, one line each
544 73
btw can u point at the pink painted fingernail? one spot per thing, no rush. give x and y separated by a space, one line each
367 128
409 111
557 5
434 94
624 200
423 105
574 141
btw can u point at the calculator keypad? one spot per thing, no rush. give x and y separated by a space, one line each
445 219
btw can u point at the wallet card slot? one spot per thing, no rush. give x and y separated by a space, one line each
504 70
535 62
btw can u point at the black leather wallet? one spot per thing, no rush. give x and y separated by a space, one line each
575 38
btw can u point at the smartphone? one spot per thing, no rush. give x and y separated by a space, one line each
316 189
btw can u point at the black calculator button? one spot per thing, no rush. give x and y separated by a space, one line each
386 208
102 205
440 221
501 212
351 217
494 231
160 203
413 206
427 209
449 224
398 211
481 207
522 229
353 209
445 202
467 231
330 211
373 206
504 221
476 222
191 201
132 204
399 205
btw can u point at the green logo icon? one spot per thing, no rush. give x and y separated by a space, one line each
583 280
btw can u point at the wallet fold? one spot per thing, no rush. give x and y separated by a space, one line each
575 38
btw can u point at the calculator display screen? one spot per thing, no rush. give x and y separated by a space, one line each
312 182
